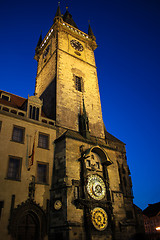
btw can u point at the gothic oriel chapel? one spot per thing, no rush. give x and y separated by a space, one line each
63 175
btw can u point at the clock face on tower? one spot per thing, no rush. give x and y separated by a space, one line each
76 45
57 205
96 187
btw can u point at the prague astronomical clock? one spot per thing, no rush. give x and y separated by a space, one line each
95 194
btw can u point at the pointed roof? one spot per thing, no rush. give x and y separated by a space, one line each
77 136
39 41
90 32
109 136
68 19
58 13
84 109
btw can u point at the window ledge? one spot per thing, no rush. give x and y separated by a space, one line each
47 184
43 148
12 179
16 141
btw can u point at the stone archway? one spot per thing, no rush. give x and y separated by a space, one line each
28 227
28 222
101 153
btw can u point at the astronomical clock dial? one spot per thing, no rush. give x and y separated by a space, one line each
96 187
99 218
76 45
57 205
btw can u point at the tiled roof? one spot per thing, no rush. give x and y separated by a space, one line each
152 210
78 136
97 141
15 101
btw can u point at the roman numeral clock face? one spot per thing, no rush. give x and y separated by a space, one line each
76 45
96 187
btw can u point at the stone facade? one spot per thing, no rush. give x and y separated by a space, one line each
63 175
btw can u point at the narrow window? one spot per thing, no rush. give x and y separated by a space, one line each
34 113
18 134
37 114
30 111
42 173
76 192
43 141
14 168
46 51
0 125
78 83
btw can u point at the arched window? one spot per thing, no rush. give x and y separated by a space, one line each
34 112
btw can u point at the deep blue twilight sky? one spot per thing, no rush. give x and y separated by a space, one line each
128 65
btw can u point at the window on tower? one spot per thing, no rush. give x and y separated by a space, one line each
78 83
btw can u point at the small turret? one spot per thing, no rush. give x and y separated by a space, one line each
58 14
84 123
68 18
39 41
37 47
90 33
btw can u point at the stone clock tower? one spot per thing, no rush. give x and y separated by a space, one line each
67 74
90 196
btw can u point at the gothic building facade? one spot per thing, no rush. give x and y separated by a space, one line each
63 175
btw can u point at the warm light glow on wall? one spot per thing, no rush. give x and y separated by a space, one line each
158 228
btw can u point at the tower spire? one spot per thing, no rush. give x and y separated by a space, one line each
90 32
37 47
58 13
39 41
68 18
